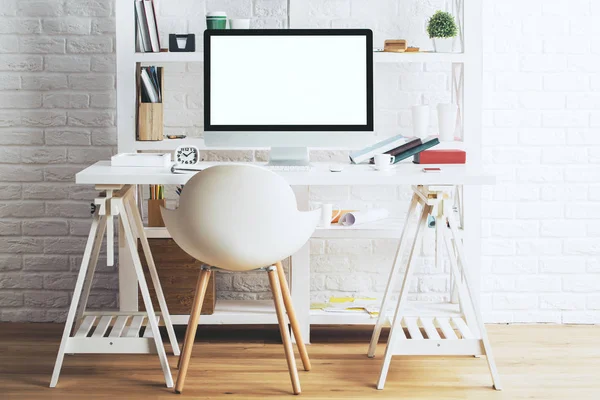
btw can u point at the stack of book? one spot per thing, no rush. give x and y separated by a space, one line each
151 87
399 147
148 39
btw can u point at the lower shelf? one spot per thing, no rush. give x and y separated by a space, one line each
252 312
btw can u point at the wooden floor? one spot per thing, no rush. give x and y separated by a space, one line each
535 362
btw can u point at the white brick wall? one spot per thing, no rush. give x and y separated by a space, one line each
541 138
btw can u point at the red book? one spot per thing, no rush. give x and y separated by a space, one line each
441 157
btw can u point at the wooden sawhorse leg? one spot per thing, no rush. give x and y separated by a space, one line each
121 339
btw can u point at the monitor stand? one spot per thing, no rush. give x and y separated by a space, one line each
294 156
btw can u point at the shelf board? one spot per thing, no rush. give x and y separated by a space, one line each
253 312
390 228
378 57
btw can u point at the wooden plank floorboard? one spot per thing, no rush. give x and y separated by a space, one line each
535 362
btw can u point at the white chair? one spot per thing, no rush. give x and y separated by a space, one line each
241 218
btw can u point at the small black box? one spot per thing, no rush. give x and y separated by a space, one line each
182 43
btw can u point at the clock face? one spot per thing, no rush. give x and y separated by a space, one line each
187 155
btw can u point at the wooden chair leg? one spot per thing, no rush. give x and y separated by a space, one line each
289 307
190 333
285 334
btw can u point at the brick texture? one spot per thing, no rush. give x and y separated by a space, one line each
540 138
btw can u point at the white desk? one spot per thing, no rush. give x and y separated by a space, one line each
237 312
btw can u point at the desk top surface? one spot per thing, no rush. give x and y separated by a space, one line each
102 173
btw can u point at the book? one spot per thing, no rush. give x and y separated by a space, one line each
142 25
441 157
149 87
406 146
378 148
152 27
427 144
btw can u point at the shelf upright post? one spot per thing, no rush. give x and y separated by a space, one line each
472 125
126 113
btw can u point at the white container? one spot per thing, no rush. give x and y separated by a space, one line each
420 121
383 161
447 121
239 23
444 45
141 160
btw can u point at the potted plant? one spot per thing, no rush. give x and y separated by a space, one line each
442 30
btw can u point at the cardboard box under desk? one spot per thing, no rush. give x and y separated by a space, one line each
178 273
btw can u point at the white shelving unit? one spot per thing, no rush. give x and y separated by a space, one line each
466 87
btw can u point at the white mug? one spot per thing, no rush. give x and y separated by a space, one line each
239 23
447 118
327 214
383 161
420 121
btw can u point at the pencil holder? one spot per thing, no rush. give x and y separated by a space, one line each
150 115
154 215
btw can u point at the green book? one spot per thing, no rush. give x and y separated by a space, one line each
427 144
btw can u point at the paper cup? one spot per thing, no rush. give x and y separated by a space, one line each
447 114
216 20
239 23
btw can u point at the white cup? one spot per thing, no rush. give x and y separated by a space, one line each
327 214
239 23
383 161
420 121
447 114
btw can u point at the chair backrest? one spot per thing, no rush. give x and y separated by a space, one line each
239 217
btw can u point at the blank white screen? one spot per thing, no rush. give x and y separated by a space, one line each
288 80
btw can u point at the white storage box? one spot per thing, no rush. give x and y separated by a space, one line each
141 160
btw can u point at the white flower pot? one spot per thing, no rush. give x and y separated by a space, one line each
443 45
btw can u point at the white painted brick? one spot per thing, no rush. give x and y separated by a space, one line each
88 8
512 301
67 210
89 155
10 192
589 246
103 63
19 25
542 100
45 228
514 265
91 118
10 228
103 100
9 82
10 262
539 210
66 26
91 82
583 210
37 45
562 228
11 299
9 44
21 209
565 119
192 9
104 137
515 229
20 281
59 281
68 63
534 316
88 44
348 246
60 174
562 301
40 8
20 173
540 247
538 283
21 63
563 155
103 25
66 100
540 174
581 317
44 82
45 263
563 265
46 299
566 82
67 136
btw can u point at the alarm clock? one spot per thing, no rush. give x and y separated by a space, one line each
187 155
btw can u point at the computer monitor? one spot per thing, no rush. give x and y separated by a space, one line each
288 89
